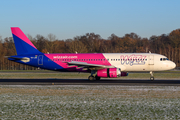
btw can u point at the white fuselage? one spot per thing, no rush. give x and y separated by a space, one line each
139 61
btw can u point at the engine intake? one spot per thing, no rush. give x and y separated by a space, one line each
111 73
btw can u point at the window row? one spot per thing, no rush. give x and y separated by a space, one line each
128 59
97 60
76 60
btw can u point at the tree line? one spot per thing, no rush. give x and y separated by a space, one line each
165 44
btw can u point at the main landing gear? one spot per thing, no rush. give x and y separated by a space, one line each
92 78
151 76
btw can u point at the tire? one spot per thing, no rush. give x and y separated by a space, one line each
97 78
152 78
91 78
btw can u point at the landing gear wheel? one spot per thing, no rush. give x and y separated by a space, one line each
97 78
91 78
152 78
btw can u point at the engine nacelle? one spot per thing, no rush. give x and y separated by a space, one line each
111 73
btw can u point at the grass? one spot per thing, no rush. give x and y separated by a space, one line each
89 102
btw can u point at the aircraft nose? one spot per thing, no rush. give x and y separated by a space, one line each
173 65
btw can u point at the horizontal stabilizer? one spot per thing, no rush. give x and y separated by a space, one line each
18 58
14 58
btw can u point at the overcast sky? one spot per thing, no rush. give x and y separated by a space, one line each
70 18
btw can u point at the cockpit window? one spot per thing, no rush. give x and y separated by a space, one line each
163 59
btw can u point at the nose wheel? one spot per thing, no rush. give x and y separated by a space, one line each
151 76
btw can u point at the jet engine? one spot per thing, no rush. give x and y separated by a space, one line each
111 73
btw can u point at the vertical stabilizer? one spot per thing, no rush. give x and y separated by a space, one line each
23 45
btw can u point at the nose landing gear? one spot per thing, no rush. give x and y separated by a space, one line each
151 76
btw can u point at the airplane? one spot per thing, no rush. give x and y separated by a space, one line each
99 65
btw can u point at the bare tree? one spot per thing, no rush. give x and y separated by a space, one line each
50 45
51 37
77 46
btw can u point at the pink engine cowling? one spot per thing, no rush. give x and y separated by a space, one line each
111 73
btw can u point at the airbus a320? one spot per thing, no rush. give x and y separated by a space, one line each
99 65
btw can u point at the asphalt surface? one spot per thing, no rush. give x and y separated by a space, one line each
131 82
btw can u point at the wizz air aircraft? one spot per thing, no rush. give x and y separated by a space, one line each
105 65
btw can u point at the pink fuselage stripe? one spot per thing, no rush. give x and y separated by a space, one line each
89 58
17 32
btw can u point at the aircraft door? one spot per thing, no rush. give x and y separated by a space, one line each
40 60
151 59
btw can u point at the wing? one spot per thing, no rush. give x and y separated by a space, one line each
87 66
